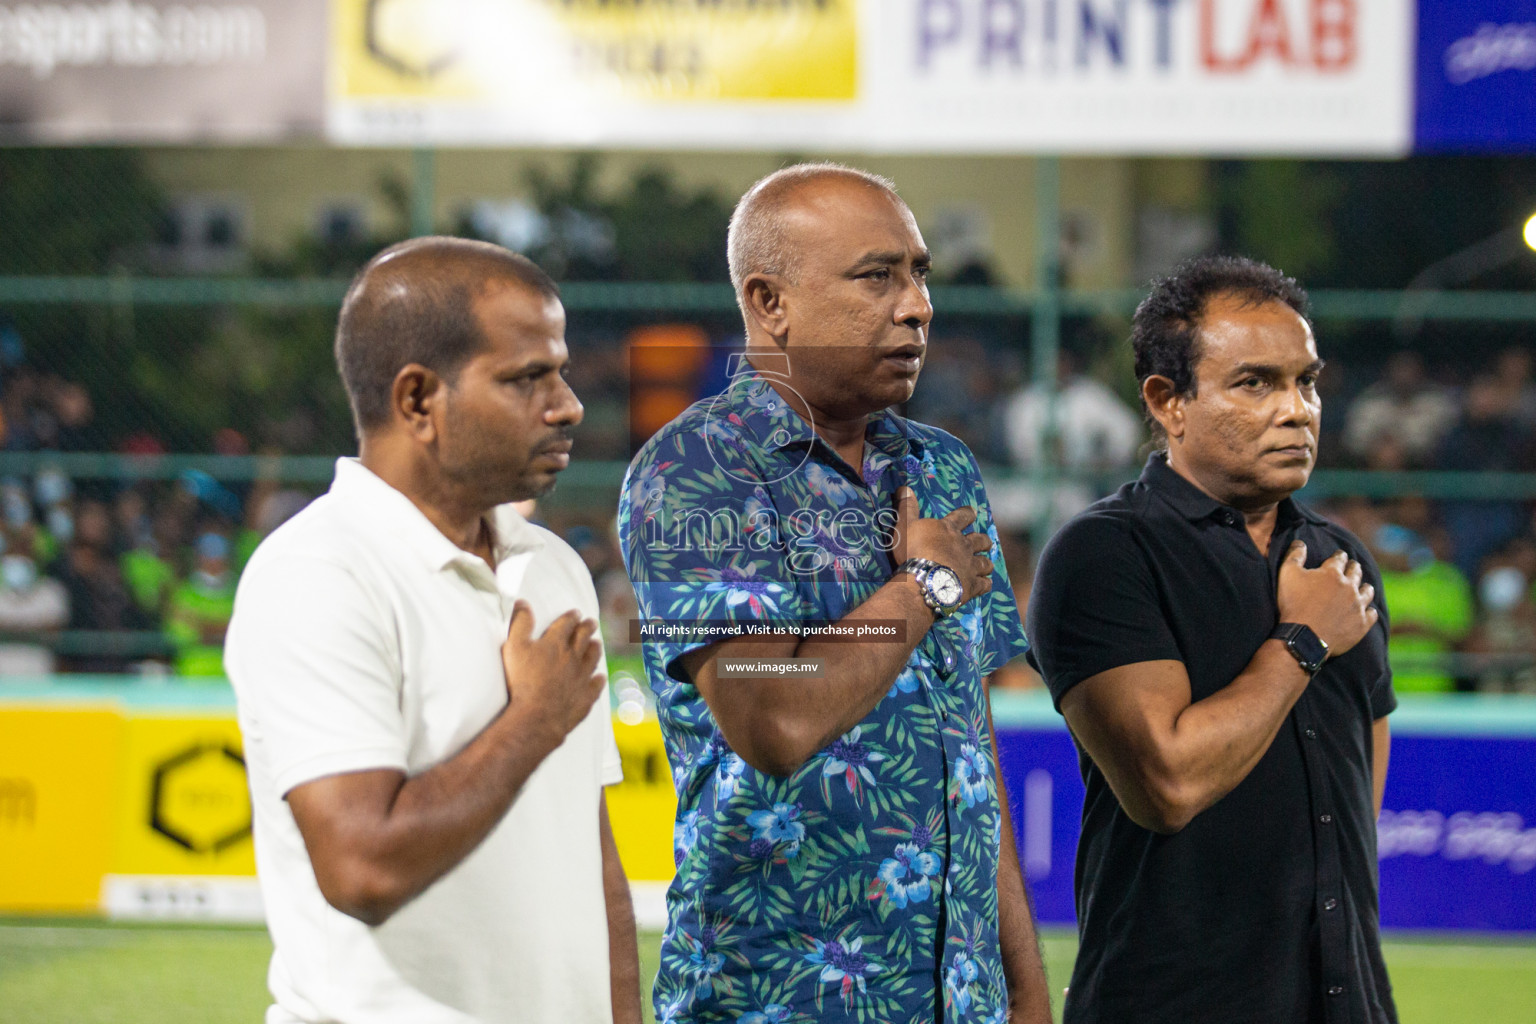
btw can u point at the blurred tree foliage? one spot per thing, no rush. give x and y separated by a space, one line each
650 229
1374 223
94 211
176 373
279 362
1281 212
82 209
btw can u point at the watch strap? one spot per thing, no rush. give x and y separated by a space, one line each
1309 649
921 570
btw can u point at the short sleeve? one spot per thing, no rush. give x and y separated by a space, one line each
315 668
1094 606
1003 637
1382 696
700 545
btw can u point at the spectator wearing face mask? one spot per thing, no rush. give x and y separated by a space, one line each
54 493
29 603
18 527
150 567
200 609
99 599
1506 632
1432 609
131 522
1488 437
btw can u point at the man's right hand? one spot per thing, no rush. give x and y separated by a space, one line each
945 541
1330 599
554 679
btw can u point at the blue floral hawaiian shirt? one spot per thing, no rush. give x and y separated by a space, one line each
863 887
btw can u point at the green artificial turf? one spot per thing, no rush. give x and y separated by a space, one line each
84 972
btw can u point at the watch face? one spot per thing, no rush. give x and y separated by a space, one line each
946 586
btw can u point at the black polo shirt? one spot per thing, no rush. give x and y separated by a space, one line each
1264 907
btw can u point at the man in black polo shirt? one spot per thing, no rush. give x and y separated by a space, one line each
1219 652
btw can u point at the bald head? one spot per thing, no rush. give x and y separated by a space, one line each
414 303
759 241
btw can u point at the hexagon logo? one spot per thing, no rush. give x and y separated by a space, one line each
411 37
199 798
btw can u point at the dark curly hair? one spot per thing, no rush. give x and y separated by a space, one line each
1165 332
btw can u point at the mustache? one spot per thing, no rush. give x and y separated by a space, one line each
559 439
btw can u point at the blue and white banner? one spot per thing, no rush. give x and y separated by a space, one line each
1476 79
1456 839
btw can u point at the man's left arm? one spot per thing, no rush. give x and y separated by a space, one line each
1381 751
623 948
1029 1000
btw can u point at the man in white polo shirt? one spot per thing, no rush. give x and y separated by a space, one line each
420 679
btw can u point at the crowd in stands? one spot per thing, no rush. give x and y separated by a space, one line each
1459 574
138 577
155 562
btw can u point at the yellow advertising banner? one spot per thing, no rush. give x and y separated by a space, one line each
183 807
538 53
146 813
643 807
56 806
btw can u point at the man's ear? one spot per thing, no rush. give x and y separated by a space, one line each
764 299
416 401
1165 404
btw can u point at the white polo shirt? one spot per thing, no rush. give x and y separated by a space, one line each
363 638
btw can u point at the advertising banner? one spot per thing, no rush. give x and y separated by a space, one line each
1124 76
152 70
144 813
1218 77
1456 840
643 808
55 811
1476 78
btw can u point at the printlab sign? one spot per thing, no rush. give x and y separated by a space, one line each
1209 76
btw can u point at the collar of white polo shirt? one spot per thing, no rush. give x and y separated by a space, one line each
359 486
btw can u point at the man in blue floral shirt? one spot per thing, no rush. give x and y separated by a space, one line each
842 851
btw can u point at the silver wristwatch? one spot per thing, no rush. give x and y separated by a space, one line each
941 587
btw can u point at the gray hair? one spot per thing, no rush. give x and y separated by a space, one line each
756 242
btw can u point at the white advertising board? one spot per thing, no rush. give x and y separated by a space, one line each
160 71
983 76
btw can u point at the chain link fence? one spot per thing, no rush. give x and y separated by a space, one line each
168 396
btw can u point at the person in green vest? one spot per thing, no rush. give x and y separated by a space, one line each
200 609
150 567
1432 608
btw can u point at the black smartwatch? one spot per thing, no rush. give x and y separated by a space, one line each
1305 646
